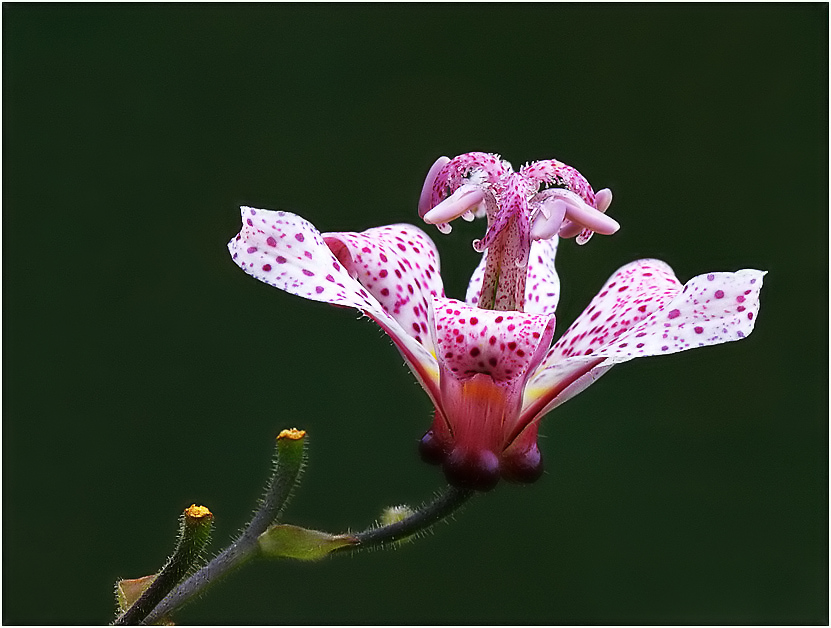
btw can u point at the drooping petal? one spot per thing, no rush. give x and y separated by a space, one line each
399 266
542 286
289 253
630 295
642 311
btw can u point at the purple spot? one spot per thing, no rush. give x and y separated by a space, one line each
699 330
281 259
674 314
266 267
271 241
308 273
719 294
299 237
710 277
319 289
251 249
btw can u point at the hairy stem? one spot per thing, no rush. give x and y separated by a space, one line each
193 535
288 461
442 506
246 547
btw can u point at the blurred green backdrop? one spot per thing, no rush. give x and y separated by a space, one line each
143 371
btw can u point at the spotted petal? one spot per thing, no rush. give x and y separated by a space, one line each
504 345
289 253
642 311
542 286
399 266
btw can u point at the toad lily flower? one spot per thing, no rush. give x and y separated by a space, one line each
492 373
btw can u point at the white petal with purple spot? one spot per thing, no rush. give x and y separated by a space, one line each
399 266
289 253
643 311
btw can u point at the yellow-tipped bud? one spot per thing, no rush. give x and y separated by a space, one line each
197 512
292 434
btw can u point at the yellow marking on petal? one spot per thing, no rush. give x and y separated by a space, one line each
292 434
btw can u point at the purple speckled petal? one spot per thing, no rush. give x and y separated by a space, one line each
630 295
289 253
399 266
504 345
642 311
542 286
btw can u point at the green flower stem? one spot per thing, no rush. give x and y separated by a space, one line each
288 462
441 507
302 544
193 535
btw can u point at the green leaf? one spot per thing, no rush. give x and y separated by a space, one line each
288 541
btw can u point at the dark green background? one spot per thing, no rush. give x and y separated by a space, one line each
143 371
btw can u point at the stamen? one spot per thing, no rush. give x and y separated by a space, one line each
577 211
603 199
427 188
461 201
548 220
569 229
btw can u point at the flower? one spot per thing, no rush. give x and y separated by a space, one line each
492 372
